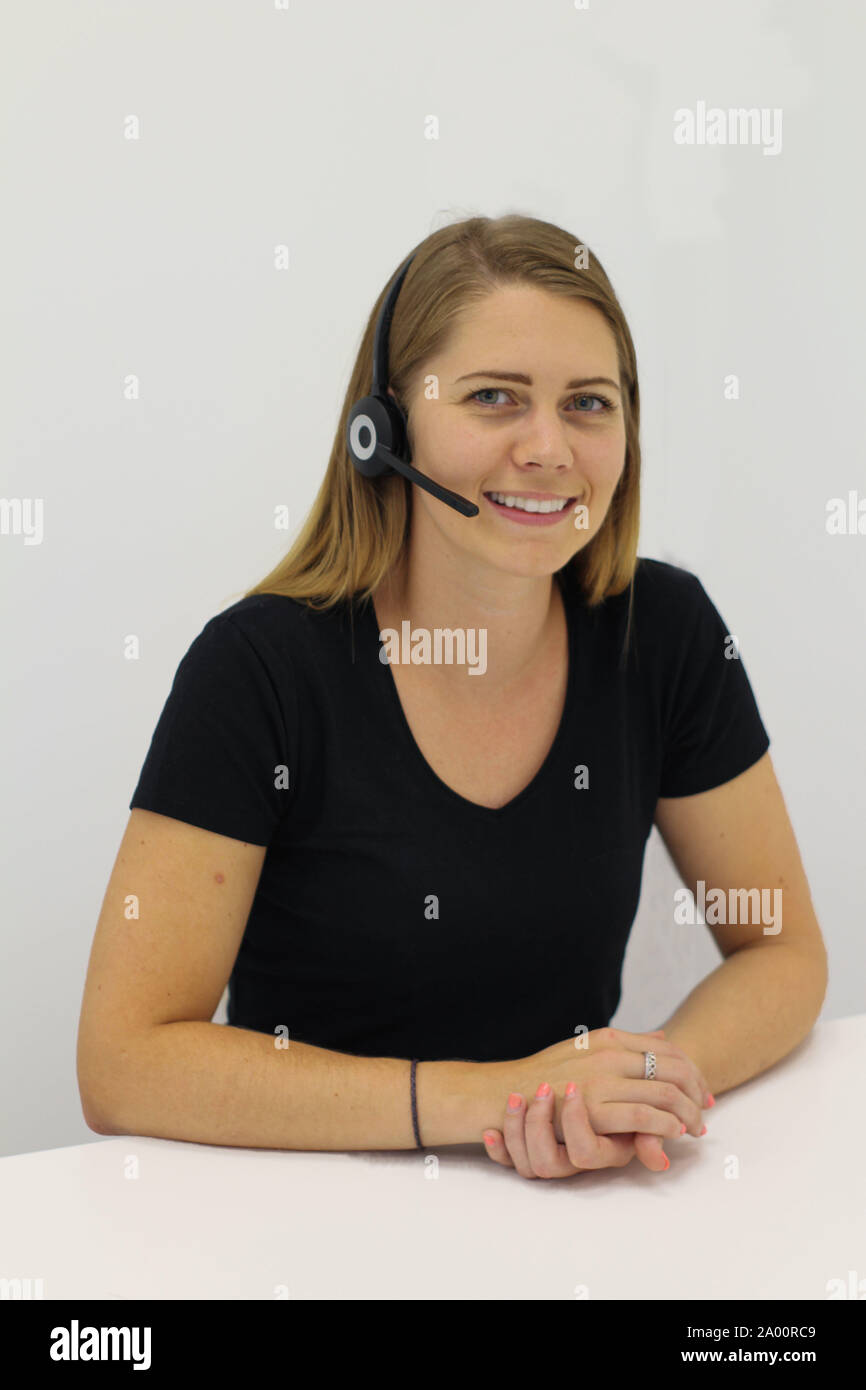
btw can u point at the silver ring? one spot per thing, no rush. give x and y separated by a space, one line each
649 1066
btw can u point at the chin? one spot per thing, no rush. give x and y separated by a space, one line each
539 567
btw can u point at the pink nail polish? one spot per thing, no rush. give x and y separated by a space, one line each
682 1129
667 1164
543 1090
570 1090
703 1131
488 1137
514 1101
711 1101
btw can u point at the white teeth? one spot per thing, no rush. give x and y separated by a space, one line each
528 504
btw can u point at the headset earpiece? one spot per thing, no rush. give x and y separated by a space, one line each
375 422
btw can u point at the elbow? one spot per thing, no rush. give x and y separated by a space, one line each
94 1117
814 985
91 1093
820 976
93 1104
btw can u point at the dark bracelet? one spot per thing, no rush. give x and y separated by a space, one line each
418 1143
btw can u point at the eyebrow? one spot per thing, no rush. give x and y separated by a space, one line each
527 380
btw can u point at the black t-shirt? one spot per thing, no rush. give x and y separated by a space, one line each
394 917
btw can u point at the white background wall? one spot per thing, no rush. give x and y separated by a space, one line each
306 126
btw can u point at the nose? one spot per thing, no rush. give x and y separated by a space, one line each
543 443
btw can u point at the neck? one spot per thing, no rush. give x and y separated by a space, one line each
519 615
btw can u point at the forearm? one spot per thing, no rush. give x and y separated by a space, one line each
215 1084
751 1011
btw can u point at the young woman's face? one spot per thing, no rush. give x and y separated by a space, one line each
544 436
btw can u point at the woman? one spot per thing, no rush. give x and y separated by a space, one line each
401 790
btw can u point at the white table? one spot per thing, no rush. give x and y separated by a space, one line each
140 1218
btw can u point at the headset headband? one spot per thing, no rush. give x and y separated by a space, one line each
383 332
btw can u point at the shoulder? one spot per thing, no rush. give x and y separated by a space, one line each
671 601
660 599
261 615
282 642
656 621
658 584
673 614
275 626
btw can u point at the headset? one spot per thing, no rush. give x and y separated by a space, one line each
376 431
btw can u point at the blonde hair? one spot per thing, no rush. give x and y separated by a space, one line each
358 527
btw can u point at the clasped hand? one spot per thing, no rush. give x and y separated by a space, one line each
599 1111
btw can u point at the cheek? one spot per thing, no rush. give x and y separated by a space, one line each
604 462
454 448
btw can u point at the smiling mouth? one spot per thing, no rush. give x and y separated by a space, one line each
545 505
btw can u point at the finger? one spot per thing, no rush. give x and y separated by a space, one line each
585 1145
702 1080
671 1050
547 1157
672 1071
637 1041
672 1064
495 1146
650 1152
512 1133
619 1105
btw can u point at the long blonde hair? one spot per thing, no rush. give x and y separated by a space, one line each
358 527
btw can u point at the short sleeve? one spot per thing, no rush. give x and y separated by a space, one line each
219 754
713 728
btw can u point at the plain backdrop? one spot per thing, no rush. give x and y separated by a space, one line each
307 126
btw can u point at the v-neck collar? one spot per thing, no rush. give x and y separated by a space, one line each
391 695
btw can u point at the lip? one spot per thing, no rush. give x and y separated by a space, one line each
520 518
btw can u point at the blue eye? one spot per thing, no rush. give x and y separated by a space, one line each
489 390
606 404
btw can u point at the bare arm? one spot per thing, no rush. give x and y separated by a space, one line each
222 1085
766 995
151 1062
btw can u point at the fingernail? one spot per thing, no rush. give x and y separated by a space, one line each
711 1100
703 1131
488 1137
682 1129
543 1090
570 1090
667 1164
514 1102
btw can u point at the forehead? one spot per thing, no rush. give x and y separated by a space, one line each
522 322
